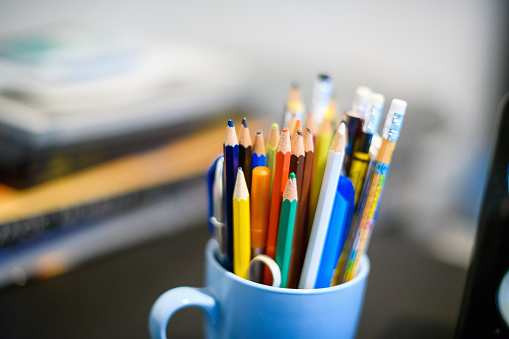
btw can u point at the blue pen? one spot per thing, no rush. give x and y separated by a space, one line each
339 225
210 187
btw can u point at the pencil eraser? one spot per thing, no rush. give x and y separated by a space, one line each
376 100
398 106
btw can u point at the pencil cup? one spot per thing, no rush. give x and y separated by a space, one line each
239 308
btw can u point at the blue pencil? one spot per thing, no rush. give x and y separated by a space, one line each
258 157
231 165
341 218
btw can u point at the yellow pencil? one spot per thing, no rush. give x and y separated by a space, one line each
241 227
323 142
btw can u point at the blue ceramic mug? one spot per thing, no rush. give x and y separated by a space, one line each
239 308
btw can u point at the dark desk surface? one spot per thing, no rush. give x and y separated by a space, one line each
409 295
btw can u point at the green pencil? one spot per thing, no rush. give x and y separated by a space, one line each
270 150
286 224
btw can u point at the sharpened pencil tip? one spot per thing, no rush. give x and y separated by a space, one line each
274 125
244 122
292 175
230 123
258 132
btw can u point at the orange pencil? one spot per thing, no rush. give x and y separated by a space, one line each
260 194
281 172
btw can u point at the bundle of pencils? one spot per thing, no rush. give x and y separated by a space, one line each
304 202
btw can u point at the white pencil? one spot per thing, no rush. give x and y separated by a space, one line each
323 210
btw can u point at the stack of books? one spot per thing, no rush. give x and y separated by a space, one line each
95 125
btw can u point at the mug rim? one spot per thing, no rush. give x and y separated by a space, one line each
212 248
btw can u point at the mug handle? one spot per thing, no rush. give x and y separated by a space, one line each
173 300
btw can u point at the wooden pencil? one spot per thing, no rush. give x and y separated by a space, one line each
286 227
231 165
241 227
291 124
322 218
294 105
281 172
258 158
296 128
367 214
270 150
323 142
301 229
245 152
297 159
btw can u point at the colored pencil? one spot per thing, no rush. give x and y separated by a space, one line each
294 106
297 127
291 125
241 227
322 94
286 225
231 165
360 158
323 142
258 158
360 101
281 172
300 232
354 124
270 149
260 194
368 210
323 210
310 123
245 151
297 158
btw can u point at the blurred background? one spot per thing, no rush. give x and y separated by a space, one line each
102 101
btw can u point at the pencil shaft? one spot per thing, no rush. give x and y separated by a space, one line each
281 172
354 127
322 150
300 233
242 242
245 155
280 177
368 210
231 165
321 220
285 237
270 161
